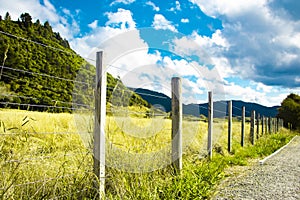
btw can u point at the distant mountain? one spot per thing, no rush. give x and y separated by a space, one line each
154 98
220 107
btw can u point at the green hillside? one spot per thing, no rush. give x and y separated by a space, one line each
39 68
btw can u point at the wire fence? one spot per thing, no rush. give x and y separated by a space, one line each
41 152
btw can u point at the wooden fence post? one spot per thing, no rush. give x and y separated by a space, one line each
99 129
243 126
262 125
176 124
277 124
274 124
266 124
229 126
210 124
257 125
252 127
270 125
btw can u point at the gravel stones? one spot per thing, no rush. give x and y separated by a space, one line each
277 178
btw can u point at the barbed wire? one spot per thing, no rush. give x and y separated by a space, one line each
39 133
45 75
222 102
30 83
39 158
35 42
136 112
43 106
140 93
34 98
113 66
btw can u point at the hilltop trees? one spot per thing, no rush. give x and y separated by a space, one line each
290 111
40 69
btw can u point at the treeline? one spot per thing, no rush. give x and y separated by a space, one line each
290 111
49 74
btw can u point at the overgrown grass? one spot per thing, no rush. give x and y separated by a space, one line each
42 156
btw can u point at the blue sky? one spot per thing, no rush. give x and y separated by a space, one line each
247 49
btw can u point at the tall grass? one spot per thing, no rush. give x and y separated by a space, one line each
44 155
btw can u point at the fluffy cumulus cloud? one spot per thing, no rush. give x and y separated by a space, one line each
118 22
160 22
263 38
121 19
44 11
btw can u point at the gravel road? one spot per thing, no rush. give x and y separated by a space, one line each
277 178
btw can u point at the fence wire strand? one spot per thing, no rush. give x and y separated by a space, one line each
45 75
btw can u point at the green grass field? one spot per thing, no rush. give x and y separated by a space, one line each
46 155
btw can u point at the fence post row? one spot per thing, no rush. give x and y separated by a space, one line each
243 126
176 124
210 124
252 126
229 126
99 131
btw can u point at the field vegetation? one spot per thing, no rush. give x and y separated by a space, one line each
47 155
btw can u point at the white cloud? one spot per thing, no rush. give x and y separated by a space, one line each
155 8
263 87
185 20
93 25
66 11
45 11
176 8
121 19
208 50
160 22
216 8
118 23
262 38
126 2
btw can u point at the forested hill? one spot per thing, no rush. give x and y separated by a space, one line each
39 70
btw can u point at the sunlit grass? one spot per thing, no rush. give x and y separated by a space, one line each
46 155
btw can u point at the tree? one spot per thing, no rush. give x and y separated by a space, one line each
7 17
26 19
290 111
